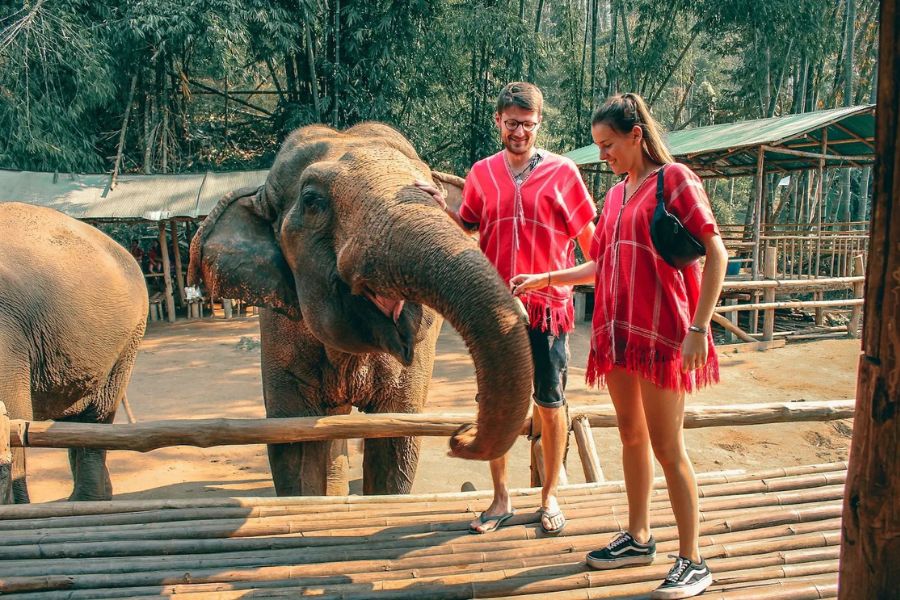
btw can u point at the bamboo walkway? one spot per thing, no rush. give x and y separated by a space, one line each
769 534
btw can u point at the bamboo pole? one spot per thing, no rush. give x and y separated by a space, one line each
205 433
179 274
790 304
167 277
587 451
769 295
858 291
731 327
59 510
820 191
131 573
822 283
6 478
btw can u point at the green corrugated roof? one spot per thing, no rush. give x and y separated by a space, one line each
731 148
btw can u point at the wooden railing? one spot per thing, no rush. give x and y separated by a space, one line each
204 433
774 283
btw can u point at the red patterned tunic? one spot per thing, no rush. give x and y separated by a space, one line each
528 227
643 306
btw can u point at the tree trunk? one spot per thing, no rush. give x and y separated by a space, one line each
311 66
870 540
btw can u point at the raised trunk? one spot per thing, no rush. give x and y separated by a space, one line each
433 263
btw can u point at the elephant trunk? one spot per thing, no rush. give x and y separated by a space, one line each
425 258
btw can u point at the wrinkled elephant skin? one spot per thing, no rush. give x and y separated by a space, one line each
355 268
73 308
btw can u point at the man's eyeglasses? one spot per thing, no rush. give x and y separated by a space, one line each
512 125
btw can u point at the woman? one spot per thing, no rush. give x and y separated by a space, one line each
650 340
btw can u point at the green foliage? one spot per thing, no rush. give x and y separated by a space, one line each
431 68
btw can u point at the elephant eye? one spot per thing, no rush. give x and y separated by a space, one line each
313 201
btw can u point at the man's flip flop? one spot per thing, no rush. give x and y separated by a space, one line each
550 517
493 523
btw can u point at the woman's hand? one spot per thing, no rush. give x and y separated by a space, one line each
528 281
694 351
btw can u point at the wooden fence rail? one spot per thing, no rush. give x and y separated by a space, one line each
204 433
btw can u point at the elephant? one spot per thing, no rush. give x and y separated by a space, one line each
73 309
354 268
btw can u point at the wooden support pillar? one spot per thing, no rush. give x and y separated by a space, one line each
167 276
858 291
179 274
732 318
870 530
6 487
820 311
769 295
757 210
758 205
820 193
227 308
587 451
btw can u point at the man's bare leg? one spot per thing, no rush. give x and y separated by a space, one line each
502 504
554 432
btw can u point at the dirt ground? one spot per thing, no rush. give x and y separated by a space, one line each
210 368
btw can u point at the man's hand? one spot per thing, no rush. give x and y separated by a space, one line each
434 193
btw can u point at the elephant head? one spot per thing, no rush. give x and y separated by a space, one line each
340 238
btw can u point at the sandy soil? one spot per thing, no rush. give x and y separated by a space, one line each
210 368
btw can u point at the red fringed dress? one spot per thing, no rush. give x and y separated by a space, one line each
643 306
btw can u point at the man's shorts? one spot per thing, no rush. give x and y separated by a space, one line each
551 358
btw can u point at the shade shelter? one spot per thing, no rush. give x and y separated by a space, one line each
841 137
162 199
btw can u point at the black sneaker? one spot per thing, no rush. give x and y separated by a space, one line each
623 550
686 579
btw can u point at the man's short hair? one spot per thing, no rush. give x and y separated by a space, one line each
522 94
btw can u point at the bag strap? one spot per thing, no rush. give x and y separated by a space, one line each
660 185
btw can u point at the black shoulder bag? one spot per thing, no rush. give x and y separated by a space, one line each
673 242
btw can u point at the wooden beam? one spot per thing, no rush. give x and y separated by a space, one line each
205 433
6 479
167 277
179 275
860 139
822 155
789 304
870 541
587 450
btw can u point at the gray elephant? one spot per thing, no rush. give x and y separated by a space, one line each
73 308
355 267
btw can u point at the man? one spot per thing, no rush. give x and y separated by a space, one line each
528 205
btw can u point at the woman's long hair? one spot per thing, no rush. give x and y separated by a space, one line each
623 112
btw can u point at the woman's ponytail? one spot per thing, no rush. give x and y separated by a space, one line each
623 112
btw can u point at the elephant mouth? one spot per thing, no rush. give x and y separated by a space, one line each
389 307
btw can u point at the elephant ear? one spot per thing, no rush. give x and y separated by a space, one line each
236 254
452 187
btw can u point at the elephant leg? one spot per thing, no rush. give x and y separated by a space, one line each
389 465
15 392
90 475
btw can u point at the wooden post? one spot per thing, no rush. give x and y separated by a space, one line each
820 311
769 295
227 307
587 451
6 491
732 318
757 210
820 192
858 291
870 539
167 277
179 275
757 226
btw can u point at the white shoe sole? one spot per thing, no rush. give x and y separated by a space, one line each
628 561
687 591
